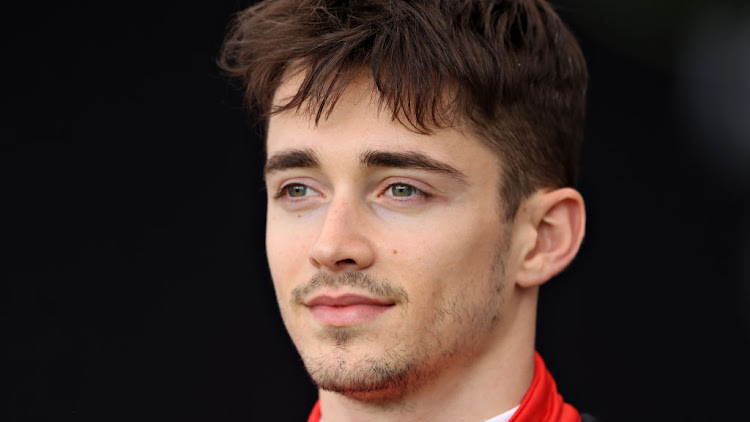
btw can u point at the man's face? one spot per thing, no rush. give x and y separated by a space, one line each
386 247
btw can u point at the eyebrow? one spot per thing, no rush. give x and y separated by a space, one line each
410 160
308 158
289 159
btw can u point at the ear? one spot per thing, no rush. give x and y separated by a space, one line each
553 224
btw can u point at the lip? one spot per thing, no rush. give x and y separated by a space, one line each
345 310
344 300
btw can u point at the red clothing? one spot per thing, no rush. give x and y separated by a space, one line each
315 414
542 402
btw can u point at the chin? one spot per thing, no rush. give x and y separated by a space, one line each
383 379
369 387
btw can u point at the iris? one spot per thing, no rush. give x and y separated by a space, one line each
297 191
402 191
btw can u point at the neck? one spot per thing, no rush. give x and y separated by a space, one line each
489 383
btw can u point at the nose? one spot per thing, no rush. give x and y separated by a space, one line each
342 243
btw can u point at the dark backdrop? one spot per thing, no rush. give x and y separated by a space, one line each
134 279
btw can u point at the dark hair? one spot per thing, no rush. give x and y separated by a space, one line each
507 70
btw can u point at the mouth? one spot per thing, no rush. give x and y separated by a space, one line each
346 310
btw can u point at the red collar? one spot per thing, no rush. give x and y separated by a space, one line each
315 414
542 402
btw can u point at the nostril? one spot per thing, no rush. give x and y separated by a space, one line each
346 261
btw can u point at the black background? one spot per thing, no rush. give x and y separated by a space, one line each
135 285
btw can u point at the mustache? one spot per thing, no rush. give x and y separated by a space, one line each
376 287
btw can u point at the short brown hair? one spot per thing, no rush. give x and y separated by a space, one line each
509 70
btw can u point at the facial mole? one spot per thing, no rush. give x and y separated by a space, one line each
395 252
299 215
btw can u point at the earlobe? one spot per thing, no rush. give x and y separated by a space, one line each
557 219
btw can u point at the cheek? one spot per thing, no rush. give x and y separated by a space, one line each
463 249
287 247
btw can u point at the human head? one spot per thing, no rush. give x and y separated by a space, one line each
509 72
492 94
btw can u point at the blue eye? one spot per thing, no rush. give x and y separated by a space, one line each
402 191
295 190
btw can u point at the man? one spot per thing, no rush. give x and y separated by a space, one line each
420 162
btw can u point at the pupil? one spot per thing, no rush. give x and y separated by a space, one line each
297 191
401 190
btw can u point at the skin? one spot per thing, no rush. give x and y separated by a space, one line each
417 226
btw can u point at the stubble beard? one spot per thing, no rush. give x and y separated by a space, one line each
390 375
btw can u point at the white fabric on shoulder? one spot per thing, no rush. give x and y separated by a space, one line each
505 417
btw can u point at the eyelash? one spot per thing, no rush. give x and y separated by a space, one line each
416 192
284 191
